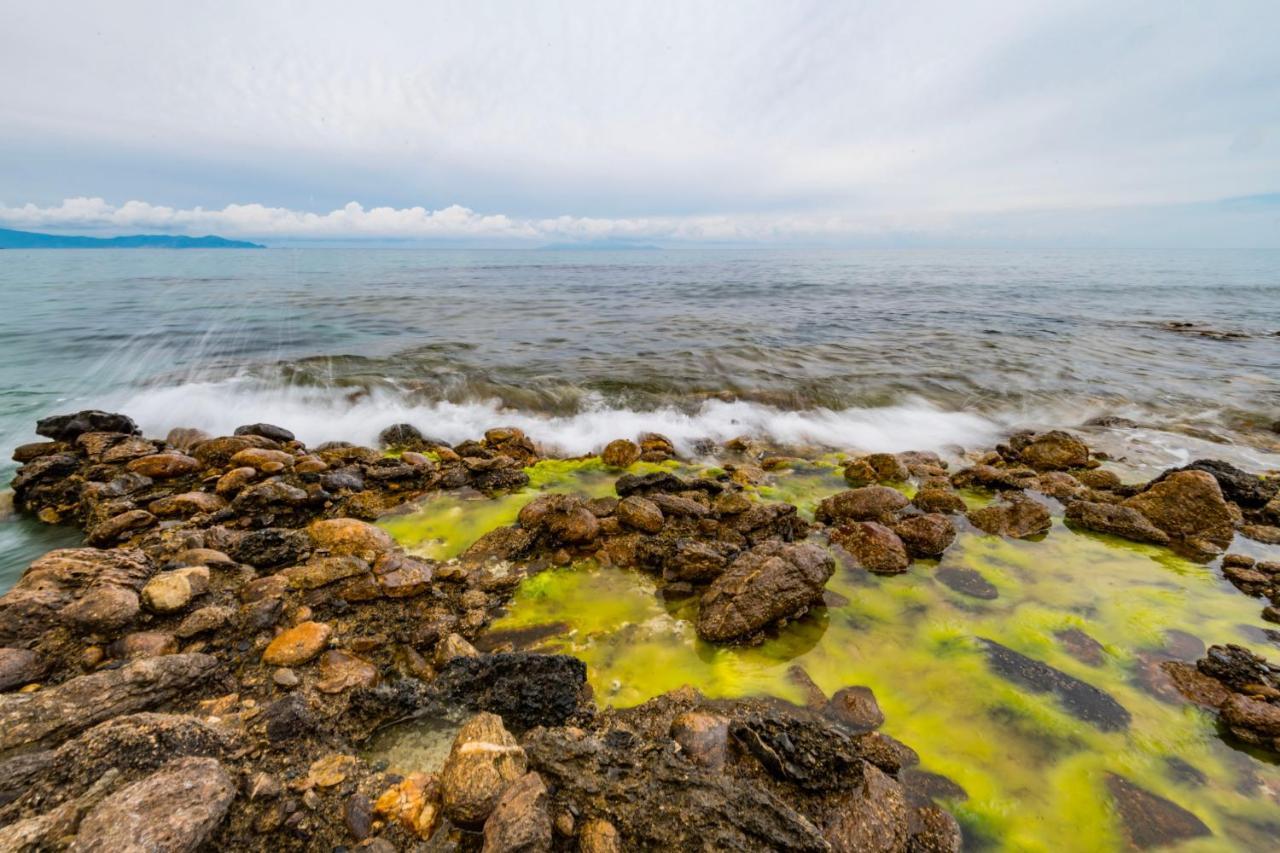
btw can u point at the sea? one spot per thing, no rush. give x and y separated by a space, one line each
843 349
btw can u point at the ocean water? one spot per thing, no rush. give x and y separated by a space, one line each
876 350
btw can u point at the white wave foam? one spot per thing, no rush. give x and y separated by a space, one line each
318 415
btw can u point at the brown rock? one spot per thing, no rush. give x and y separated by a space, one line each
620 453
640 513
1055 451
521 822
144 644
876 548
186 505
204 620
1016 516
1149 820
19 667
926 535
1252 716
564 518
484 760
103 608
413 803
856 707
341 670
1188 506
872 818
938 500
85 588
175 809
169 592
933 830
119 527
162 466
401 576
1116 519
297 645
321 571
703 738
263 459
343 537
868 503
230 483
599 836
772 581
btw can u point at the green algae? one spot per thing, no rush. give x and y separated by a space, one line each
1035 775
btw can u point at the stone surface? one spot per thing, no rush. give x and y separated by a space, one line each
297 645
856 707
1149 820
19 667
85 588
869 503
70 427
1016 516
341 670
967 581
342 537
1079 699
175 809
703 738
162 466
520 822
926 536
640 513
620 453
1054 451
484 760
1115 519
772 581
413 803
1188 506
871 820
875 547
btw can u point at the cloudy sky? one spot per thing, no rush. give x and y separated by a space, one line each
1021 122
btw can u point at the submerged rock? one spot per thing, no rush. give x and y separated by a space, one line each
772 581
967 582
1079 699
1149 820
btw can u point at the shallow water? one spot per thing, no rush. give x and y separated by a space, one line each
1034 773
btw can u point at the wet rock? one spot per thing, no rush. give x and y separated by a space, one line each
357 814
873 818
77 704
933 830
270 496
599 836
856 707
272 546
1236 667
174 809
521 822
1079 699
620 453
1017 517
641 514
876 547
143 644
1187 506
1252 720
270 431
1241 487
400 435
703 738
322 571
341 670
931 500
679 506
1054 451
453 646
697 561
402 576
1081 646
926 536
868 503
297 645
119 527
772 581
85 588
231 483
664 482
186 505
1116 519
19 667
71 427
163 466
287 718
501 544
1149 820
967 581
413 803
1193 685
342 537
263 459
525 689
996 479
169 592
565 519
484 760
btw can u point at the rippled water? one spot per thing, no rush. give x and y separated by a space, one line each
870 349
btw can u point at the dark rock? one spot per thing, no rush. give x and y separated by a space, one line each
856 707
272 546
1079 699
938 500
1236 667
703 737
967 582
663 481
271 431
400 435
526 689
872 818
1247 490
697 561
357 814
287 718
772 581
933 830
70 427
503 543
521 821
640 513
1081 646
1149 820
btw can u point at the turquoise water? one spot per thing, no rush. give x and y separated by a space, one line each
879 350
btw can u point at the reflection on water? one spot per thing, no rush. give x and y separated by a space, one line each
1035 774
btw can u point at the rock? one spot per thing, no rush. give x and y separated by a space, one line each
1099 478
269 431
1149 820
232 482
525 689
856 707
143 644
876 548
620 453
163 466
19 667
484 760
565 519
287 718
413 803
186 505
78 703
272 546
401 576
119 527
869 503
1187 506
520 822
640 513
678 506
268 496
204 620
175 809
933 830
931 500
1081 646
400 435
1018 517
330 770
703 738
342 537
453 646
340 670
772 581
71 427
297 645
322 571
1081 700
357 814
1241 487
285 677
169 592
599 836
500 544
84 588
1054 451
993 478
926 536
873 818
1194 685
967 582
698 561
1118 520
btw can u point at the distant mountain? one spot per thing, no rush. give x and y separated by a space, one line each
30 240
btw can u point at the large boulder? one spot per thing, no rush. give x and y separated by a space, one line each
484 760
1248 490
1054 451
876 547
175 810
1124 521
1016 516
1188 506
86 589
71 427
773 581
869 503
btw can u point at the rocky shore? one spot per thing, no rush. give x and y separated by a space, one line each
208 670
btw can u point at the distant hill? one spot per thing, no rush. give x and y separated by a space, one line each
30 240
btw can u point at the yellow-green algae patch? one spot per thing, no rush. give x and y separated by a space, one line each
1035 775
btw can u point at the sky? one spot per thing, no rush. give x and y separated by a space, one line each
1060 123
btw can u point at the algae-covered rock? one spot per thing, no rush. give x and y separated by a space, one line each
1115 519
1149 820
